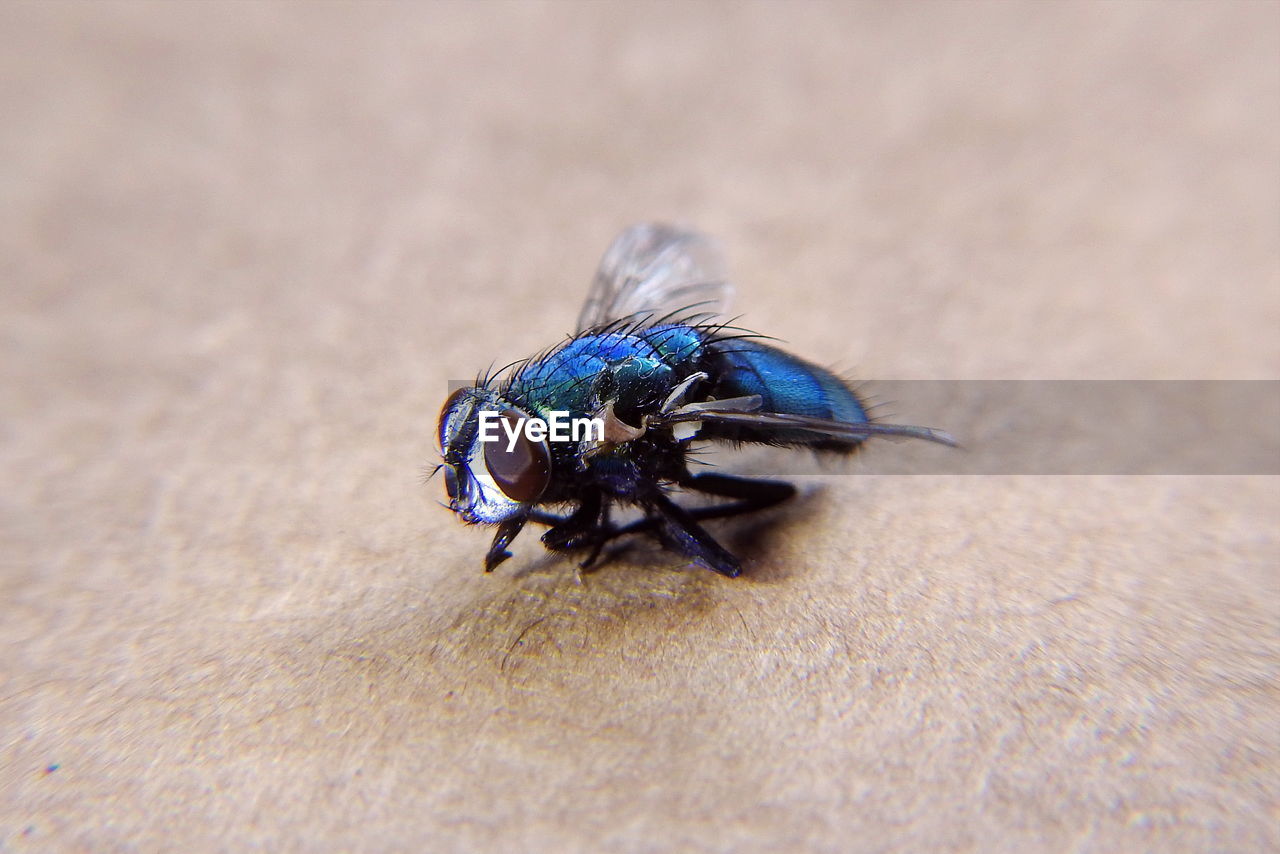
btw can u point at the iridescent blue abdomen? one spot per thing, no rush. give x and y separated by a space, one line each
786 384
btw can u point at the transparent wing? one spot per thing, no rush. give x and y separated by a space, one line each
744 412
656 270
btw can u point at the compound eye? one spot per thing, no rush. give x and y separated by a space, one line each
523 472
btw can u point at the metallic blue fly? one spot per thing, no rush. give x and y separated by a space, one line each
656 369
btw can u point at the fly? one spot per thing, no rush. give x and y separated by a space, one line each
653 367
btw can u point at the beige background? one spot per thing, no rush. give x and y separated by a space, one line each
245 247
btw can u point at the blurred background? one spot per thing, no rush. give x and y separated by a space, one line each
245 246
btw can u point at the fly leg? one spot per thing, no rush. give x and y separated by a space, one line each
603 533
507 532
751 494
677 527
586 527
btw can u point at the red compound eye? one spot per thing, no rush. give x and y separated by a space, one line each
523 472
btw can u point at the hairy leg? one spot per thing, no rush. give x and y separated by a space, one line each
679 530
752 495
507 532
588 526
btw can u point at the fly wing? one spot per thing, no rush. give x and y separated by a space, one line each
744 412
654 271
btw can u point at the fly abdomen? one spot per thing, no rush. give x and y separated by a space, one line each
786 384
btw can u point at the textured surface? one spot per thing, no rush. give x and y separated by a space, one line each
245 247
